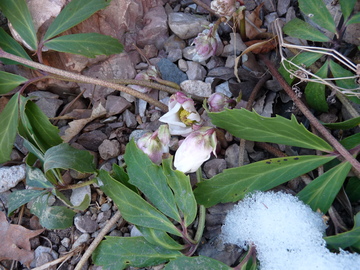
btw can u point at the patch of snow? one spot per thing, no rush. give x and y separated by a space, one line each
286 232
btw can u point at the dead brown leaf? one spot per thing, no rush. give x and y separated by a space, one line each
261 46
15 244
253 23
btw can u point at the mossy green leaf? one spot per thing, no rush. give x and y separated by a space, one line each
74 13
17 12
300 29
9 118
116 253
253 127
316 10
233 184
321 192
347 7
87 44
196 263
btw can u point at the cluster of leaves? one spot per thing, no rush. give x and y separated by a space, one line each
317 14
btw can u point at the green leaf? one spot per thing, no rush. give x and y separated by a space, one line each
21 197
160 238
184 196
88 44
347 239
354 19
10 45
196 263
117 253
315 92
52 217
339 72
36 178
351 141
347 7
36 126
74 13
120 175
66 157
321 192
253 127
353 122
133 208
18 14
233 184
353 189
150 179
316 10
300 29
33 150
302 59
8 122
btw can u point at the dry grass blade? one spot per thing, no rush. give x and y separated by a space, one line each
309 76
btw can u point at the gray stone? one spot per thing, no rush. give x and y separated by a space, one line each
270 19
236 45
223 88
66 242
174 55
11 176
273 85
116 105
129 119
215 61
173 43
92 140
223 72
105 207
230 61
81 240
282 7
85 224
103 216
196 87
135 232
232 156
53 255
186 26
195 71
48 102
182 64
44 258
155 31
118 66
189 52
109 149
78 194
170 72
214 166
136 134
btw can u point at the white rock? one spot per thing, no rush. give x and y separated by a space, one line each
11 176
195 87
78 194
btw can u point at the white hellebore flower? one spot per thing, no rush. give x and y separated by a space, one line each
195 149
207 44
155 144
182 115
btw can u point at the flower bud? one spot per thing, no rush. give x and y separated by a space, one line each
218 102
155 144
195 149
182 115
206 44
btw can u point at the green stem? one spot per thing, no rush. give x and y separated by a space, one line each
202 212
78 185
84 79
313 120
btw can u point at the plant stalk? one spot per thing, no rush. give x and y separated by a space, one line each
84 79
313 120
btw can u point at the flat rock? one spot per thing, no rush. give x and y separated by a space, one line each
92 140
186 25
78 195
282 7
48 102
173 43
85 224
11 176
81 240
196 87
214 166
116 105
109 149
232 156
118 66
195 71
170 72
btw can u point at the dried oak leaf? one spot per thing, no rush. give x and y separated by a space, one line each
15 241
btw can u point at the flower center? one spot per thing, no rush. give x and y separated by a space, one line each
183 114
